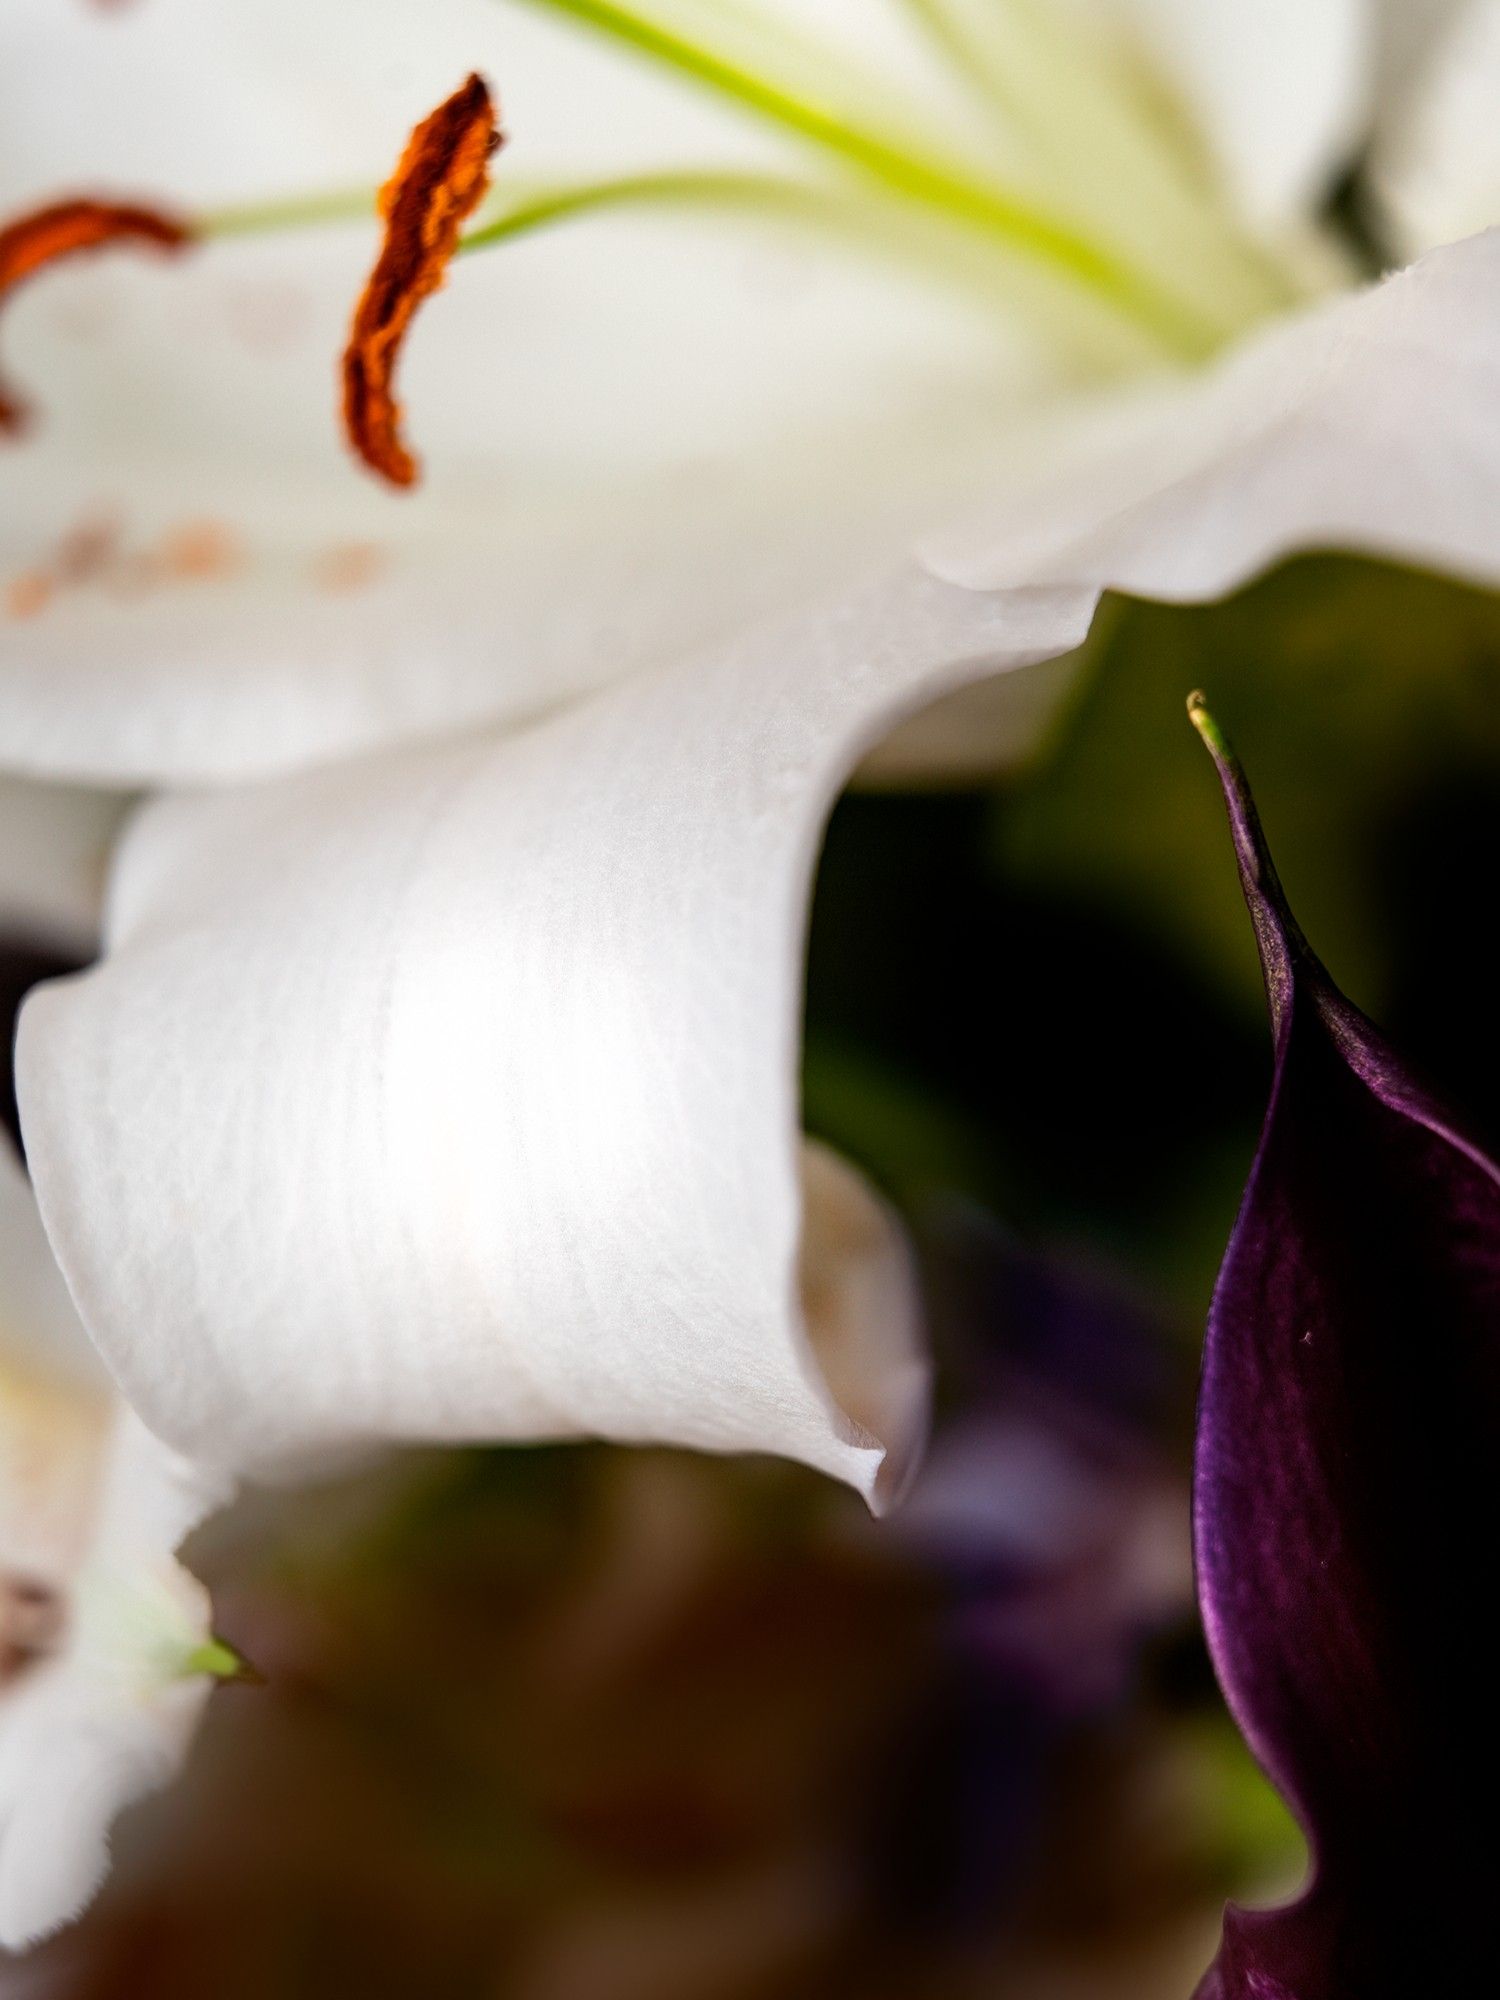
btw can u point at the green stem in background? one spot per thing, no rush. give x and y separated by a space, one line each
1024 227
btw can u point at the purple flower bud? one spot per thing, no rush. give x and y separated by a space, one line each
1345 1510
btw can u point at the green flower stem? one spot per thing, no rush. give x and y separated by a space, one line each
1025 227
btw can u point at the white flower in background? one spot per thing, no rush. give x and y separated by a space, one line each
451 1092
106 1655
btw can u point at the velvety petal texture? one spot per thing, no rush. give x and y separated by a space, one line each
1345 1503
454 1095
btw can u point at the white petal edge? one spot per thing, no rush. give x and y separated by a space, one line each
1370 425
454 1095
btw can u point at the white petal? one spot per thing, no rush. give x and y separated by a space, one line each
72 1757
1436 163
1278 88
54 1397
636 429
151 1500
1406 33
64 1775
85 1735
1372 425
454 1095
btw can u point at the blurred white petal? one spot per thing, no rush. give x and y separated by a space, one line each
1406 32
1436 162
109 1719
1279 88
454 1094
99 1709
1372 424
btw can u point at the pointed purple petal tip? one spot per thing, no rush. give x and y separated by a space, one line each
1344 1498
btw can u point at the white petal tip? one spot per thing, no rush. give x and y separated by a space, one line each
863 1316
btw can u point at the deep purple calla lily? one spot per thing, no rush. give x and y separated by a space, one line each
1345 1493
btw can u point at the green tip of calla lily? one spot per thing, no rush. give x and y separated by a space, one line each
1202 720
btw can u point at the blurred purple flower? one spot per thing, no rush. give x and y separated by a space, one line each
1344 1494
1048 1499
1057 1526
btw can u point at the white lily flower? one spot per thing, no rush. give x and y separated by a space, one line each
106 1655
450 1092
695 401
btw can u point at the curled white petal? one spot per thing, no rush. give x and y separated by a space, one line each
454 1095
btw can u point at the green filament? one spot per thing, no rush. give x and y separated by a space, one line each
557 204
274 218
1023 226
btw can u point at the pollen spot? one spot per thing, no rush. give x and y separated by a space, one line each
67 229
441 177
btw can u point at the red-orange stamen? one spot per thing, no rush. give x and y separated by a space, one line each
66 229
442 175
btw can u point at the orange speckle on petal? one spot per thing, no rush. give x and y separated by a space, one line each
442 175
199 549
29 594
349 566
87 549
67 229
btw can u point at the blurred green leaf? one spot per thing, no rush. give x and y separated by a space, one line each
1349 688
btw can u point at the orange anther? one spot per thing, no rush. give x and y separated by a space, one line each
65 229
442 175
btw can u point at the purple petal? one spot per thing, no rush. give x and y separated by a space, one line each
1345 1519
